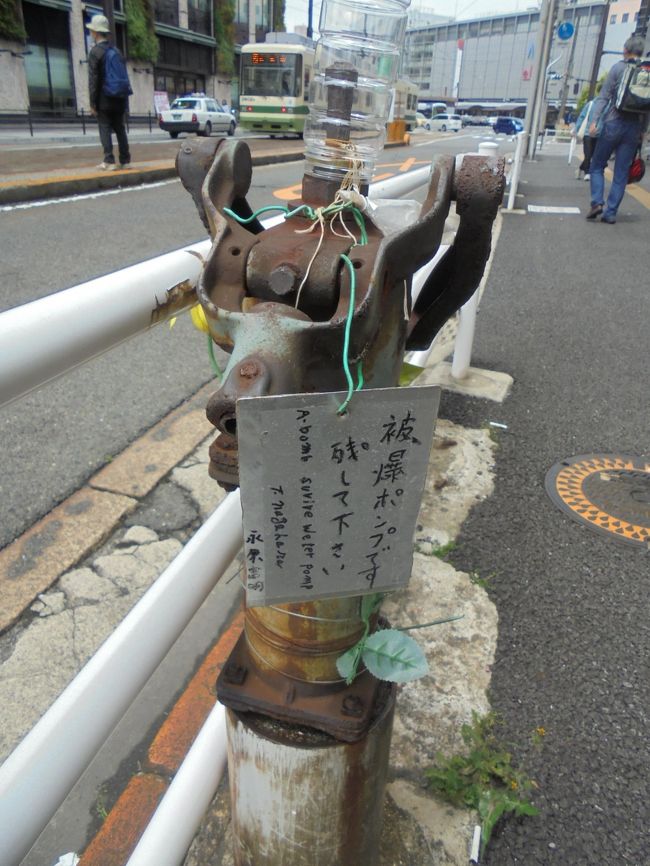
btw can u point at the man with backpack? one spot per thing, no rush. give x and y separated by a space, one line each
619 119
110 89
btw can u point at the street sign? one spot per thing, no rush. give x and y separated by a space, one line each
565 30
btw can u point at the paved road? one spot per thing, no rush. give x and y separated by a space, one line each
56 438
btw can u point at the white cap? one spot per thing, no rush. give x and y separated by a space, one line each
99 24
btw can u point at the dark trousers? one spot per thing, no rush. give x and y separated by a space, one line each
588 145
110 121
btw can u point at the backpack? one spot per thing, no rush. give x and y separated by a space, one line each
633 94
116 80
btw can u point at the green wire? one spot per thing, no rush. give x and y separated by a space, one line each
363 240
346 340
215 366
245 220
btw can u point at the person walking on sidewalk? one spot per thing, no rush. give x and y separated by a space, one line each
588 142
108 101
618 132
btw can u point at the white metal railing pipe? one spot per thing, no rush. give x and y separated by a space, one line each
44 339
174 823
516 170
401 184
41 771
465 338
572 148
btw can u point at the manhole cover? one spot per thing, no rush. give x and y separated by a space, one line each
609 493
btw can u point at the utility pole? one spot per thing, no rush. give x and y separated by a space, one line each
542 52
310 17
251 21
599 51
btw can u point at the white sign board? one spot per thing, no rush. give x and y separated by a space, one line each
330 501
160 101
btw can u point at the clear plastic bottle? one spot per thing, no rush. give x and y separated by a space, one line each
356 64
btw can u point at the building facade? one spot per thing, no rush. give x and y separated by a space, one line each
492 59
623 19
49 73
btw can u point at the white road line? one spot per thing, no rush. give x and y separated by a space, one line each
538 208
440 140
85 196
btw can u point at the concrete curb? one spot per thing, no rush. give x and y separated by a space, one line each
40 189
48 187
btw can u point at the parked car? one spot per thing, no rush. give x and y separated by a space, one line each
508 125
196 114
476 120
446 123
421 120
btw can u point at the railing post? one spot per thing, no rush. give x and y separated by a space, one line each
516 170
149 116
29 121
572 149
83 121
465 338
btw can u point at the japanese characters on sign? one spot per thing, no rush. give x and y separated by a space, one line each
330 502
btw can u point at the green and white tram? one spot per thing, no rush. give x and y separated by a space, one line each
274 84
405 103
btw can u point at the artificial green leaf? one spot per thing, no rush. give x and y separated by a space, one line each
348 663
394 656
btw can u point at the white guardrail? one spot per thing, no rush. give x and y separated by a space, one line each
43 340
515 172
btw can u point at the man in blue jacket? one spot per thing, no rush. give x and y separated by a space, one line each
109 110
619 132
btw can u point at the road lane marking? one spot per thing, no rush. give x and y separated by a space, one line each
450 137
407 164
640 194
538 208
85 196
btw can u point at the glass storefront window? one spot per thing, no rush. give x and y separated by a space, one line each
47 68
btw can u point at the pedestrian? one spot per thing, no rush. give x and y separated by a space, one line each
109 93
619 133
588 141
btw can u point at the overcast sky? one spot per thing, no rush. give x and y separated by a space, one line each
297 9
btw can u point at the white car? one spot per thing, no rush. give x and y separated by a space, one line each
446 123
196 114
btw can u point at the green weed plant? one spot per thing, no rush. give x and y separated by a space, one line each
485 778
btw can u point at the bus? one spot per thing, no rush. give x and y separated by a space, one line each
274 84
405 103
429 108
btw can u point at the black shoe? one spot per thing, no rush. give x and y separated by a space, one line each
607 219
596 210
